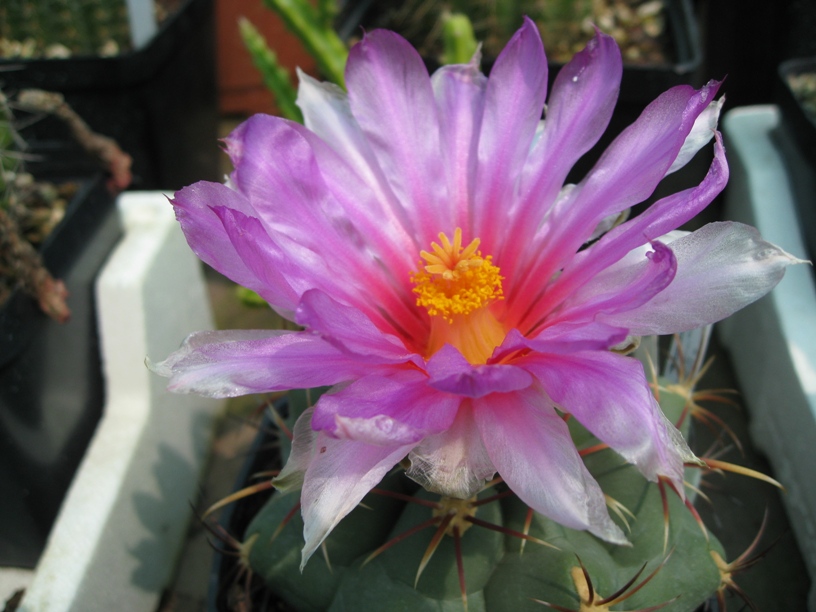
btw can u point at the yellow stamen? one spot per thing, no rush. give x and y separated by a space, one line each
456 285
456 281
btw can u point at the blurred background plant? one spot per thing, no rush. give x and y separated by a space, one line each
565 25
66 28
447 32
31 208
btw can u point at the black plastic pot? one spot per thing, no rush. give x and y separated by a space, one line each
801 127
802 123
158 102
51 387
226 586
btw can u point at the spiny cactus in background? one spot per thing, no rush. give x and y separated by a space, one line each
31 209
406 549
28 212
313 25
62 28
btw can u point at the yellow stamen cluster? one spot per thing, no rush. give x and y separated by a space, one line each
456 280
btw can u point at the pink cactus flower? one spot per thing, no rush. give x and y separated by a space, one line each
461 298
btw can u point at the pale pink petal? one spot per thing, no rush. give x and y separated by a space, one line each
315 211
454 462
531 448
636 161
232 363
339 475
701 134
563 337
304 438
351 171
392 408
721 268
326 112
610 396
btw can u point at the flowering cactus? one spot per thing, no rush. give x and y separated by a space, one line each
509 557
462 301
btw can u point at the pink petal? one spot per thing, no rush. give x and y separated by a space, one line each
518 81
564 337
626 174
454 462
349 329
450 371
351 172
203 227
639 158
578 111
660 218
721 268
327 222
326 113
621 288
386 409
609 395
533 452
232 363
339 475
460 99
391 98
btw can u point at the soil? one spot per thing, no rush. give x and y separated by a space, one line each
639 26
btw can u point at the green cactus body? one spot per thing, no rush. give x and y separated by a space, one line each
459 42
499 572
322 42
275 77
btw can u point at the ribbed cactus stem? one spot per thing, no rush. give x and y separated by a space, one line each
406 548
275 77
458 38
321 41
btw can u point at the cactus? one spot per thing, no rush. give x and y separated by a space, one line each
310 25
30 209
459 41
395 551
275 77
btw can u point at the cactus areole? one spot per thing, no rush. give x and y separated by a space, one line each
460 298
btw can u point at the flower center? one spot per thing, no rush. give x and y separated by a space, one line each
456 286
460 510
